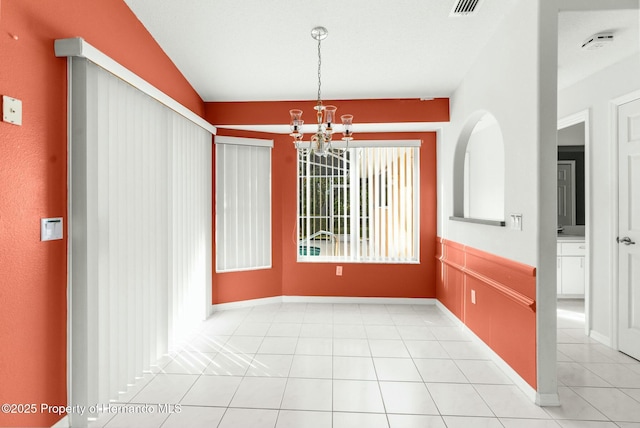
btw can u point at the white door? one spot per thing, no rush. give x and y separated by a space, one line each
629 228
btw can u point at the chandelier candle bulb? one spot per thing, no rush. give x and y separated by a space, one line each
347 124
329 114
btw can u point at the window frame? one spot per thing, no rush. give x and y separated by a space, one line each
416 196
263 214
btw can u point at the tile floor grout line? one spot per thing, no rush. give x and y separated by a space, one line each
423 380
375 369
241 380
333 383
286 383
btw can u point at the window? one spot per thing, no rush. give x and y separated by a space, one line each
243 204
361 205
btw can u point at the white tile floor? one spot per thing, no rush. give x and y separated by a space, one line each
391 366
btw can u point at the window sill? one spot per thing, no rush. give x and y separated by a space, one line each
337 260
499 223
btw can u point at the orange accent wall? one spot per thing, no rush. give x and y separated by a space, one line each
363 111
288 277
504 315
33 180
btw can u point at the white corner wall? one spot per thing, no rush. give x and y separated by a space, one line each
515 79
503 82
595 94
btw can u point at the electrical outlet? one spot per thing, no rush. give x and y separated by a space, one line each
473 296
338 270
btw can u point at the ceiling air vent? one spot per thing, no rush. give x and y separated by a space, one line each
465 7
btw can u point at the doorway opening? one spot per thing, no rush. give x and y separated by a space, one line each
574 228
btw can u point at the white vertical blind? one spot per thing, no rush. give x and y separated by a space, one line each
243 204
140 237
191 223
361 205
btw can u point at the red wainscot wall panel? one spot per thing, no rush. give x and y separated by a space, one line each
450 281
504 312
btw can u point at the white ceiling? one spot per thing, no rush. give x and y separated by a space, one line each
257 50
574 63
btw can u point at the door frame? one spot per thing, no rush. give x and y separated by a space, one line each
614 104
584 117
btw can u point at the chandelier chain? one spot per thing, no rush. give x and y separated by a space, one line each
319 65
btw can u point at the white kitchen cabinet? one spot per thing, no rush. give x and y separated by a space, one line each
571 268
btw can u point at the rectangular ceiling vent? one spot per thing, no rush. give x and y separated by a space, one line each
465 7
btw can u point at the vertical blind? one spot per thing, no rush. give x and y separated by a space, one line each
140 237
243 204
361 204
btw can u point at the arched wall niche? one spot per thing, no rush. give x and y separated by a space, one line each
479 171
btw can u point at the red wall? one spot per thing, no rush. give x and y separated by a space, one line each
288 277
33 180
504 314
363 111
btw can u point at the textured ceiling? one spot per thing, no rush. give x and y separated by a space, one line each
241 50
574 28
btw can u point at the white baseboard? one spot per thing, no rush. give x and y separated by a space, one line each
62 423
506 368
547 400
245 304
321 299
605 340
360 300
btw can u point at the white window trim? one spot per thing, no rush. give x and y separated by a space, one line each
238 141
376 143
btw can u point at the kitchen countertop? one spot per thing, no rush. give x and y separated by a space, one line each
570 238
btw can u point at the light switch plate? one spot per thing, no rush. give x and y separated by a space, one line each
51 229
516 221
11 110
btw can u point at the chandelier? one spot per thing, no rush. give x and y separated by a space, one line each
320 141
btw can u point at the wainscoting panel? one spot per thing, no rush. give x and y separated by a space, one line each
495 298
